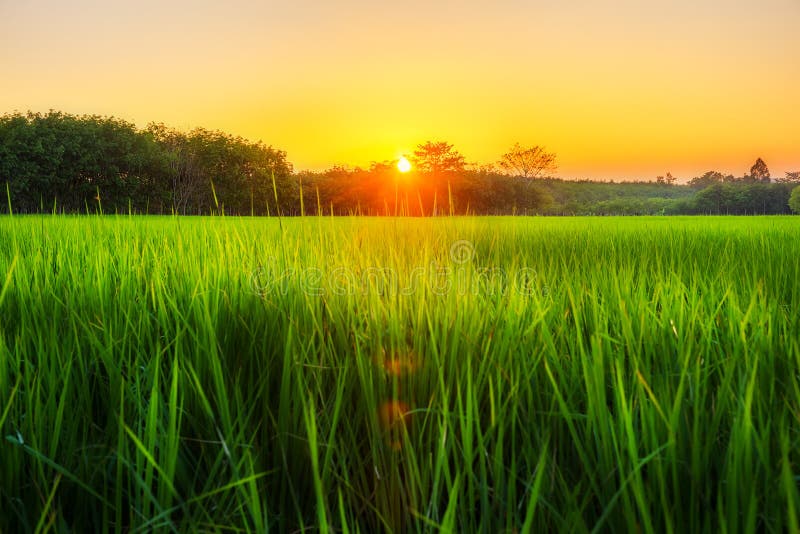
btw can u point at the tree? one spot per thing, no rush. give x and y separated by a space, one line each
791 178
528 162
186 177
438 157
709 178
241 173
759 171
794 200
57 161
666 180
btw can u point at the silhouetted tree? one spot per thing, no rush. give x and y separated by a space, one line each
791 178
759 171
437 157
666 180
528 162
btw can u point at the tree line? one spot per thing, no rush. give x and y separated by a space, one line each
62 163
440 183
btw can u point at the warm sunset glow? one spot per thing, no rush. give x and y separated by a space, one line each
618 89
403 165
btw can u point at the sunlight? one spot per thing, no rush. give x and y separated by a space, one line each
403 165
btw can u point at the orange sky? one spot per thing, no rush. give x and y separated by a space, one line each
619 89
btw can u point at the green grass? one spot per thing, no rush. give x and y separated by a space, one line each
218 374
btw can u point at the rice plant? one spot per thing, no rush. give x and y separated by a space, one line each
221 374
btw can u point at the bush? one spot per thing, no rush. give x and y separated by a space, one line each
794 200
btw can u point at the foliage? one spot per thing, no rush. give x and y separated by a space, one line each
759 171
57 162
382 190
791 177
573 197
240 171
528 162
60 162
794 200
437 157
742 199
668 179
708 179
66 163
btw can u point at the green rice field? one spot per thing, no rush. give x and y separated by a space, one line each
473 374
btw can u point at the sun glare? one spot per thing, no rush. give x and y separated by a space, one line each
403 165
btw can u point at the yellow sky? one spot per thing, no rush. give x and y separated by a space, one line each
618 89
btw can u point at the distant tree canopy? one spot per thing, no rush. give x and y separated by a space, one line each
211 170
750 194
56 162
668 179
709 178
790 178
759 171
62 161
383 190
742 199
438 184
528 162
436 157
66 163
794 200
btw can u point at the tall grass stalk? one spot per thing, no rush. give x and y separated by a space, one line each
211 374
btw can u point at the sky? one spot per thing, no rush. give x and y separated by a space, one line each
618 89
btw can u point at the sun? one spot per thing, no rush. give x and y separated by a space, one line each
403 165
